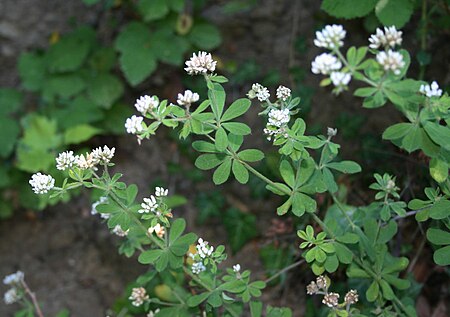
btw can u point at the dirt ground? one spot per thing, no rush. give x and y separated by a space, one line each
69 258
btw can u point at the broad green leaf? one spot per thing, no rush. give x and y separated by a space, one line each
284 208
373 291
440 210
251 155
222 173
438 236
438 133
343 253
196 300
237 108
388 293
221 139
203 146
331 263
397 131
438 170
176 229
9 135
387 232
152 9
287 173
412 141
348 9
365 92
105 89
347 167
328 178
131 192
256 309
32 72
40 133
62 85
11 100
237 128
394 12
240 172
149 256
208 161
79 133
442 256
205 36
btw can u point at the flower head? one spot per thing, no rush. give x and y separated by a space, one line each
104 155
65 160
331 132
146 103
148 205
325 64
117 230
204 250
312 288
187 98
85 162
200 63
158 230
391 60
153 313
278 117
138 296
41 183
236 268
198 267
331 300
322 282
11 296
340 80
161 192
351 297
283 93
14 278
330 37
260 92
134 124
389 38
431 90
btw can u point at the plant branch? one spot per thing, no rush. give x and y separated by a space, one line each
287 268
33 298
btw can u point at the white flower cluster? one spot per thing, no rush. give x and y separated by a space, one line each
41 183
146 103
153 313
340 80
431 90
103 156
260 92
65 160
117 230
330 37
204 250
138 296
101 200
389 38
391 60
198 267
278 117
15 281
187 98
283 93
200 63
325 63
158 230
149 205
161 192
133 125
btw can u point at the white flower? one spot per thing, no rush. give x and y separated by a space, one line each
330 37
41 183
331 299
65 160
431 91
153 313
145 103
203 249
389 38
138 296
325 63
119 231
236 268
278 117
85 161
340 80
283 93
331 132
103 156
14 278
198 267
11 296
259 91
158 229
200 64
101 200
271 131
188 98
134 124
161 192
391 60
148 205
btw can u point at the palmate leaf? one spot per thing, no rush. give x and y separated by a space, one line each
394 12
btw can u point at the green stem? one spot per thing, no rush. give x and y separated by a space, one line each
197 279
265 179
342 209
363 77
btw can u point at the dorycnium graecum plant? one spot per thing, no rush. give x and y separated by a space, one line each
354 240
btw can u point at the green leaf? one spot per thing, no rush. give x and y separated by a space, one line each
205 36
237 128
347 167
287 173
397 131
152 9
394 12
222 173
32 72
11 100
63 85
442 256
331 263
328 178
343 253
240 227
348 9
373 291
208 161
251 155
176 229
240 172
365 92
105 89
388 293
256 309
149 256
71 51
196 300
131 192
9 135
438 133
412 141
221 139
217 95
79 133
137 59
237 108
203 146
438 236
440 210
438 170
